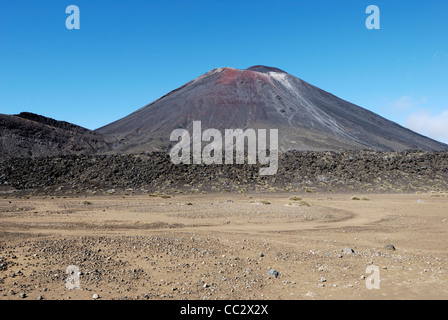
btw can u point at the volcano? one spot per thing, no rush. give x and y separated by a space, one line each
261 97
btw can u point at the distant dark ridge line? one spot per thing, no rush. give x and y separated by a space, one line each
51 122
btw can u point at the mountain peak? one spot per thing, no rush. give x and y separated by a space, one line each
265 69
257 68
307 118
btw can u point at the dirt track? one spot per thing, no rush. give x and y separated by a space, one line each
222 246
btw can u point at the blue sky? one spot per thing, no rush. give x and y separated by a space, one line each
129 53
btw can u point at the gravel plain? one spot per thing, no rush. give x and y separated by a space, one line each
222 246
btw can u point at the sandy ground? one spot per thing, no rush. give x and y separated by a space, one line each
222 246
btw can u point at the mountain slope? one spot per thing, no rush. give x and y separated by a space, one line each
29 135
307 117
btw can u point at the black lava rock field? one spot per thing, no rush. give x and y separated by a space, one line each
347 171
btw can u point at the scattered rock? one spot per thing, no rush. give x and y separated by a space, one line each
300 203
273 272
258 202
358 198
3 264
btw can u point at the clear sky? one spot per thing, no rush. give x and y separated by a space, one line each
127 54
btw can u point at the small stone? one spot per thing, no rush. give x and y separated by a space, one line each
22 295
348 250
95 296
261 254
390 247
273 272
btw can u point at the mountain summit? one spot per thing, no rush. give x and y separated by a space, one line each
261 97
